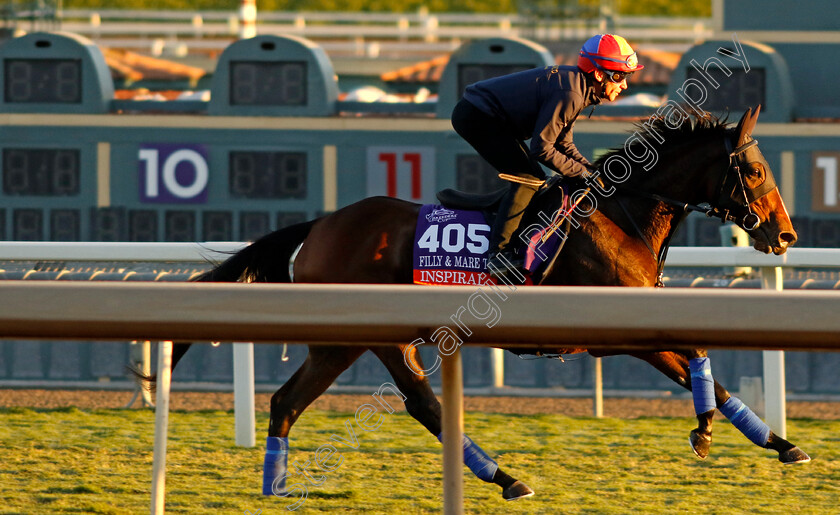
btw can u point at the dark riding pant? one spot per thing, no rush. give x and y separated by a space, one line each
494 140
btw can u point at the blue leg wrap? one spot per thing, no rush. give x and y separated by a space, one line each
702 385
275 465
746 421
477 460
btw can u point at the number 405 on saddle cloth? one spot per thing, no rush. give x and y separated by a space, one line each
450 247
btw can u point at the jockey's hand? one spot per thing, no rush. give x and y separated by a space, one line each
592 173
553 180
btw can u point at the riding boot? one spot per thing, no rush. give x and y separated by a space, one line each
503 240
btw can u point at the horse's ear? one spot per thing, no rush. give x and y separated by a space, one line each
755 117
746 126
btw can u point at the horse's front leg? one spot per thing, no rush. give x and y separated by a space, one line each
678 367
406 367
708 392
703 390
691 370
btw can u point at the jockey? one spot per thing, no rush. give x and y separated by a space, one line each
497 115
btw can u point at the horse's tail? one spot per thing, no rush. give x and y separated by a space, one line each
265 261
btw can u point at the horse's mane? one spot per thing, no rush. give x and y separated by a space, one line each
691 127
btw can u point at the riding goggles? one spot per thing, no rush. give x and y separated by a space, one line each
617 77
632 60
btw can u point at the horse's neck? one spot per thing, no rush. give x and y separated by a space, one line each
687 174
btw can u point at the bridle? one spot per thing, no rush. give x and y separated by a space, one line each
738 191
733 194
731 190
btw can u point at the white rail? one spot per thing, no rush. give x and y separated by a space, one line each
217 29
774 368
747 256
109 251
402 313
200 252
387 314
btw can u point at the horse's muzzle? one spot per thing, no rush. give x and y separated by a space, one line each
777 244
784 240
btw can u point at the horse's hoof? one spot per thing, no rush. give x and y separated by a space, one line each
700 444
517 490
793 455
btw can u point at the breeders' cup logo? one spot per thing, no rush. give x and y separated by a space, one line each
441 215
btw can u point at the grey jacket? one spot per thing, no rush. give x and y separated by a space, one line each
541 105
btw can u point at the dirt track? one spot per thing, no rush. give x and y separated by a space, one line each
613 407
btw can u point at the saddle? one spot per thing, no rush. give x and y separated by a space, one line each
487 202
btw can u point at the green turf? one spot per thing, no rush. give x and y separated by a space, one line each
74 461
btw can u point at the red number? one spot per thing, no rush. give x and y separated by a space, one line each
414 159
390 161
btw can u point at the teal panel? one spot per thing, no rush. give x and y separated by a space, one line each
273 76
49 185
483 59
241 205
54 73
780 15
729 76
812 66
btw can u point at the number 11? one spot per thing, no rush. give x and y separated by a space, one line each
390 160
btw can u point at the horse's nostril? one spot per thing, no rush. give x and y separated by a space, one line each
788 238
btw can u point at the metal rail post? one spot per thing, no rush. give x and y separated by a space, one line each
243 394
452 377
775 402
497 364
598 388
164 379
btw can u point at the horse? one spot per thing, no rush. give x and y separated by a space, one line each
620 236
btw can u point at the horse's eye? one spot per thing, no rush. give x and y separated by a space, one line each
754 171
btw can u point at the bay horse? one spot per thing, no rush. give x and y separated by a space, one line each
619 242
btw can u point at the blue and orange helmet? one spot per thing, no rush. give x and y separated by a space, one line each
608 52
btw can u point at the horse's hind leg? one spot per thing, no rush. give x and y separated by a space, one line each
322 366
676 366
422 404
